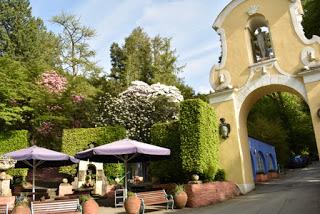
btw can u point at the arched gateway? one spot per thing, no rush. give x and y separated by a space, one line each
264 50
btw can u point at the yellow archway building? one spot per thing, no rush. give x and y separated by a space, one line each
264 50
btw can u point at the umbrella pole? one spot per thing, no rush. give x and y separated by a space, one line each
33 180
125 177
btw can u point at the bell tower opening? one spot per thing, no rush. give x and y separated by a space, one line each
260 39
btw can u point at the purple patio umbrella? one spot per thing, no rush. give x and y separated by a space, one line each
126 150
36 157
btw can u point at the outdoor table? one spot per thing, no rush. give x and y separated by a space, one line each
39 192
140 187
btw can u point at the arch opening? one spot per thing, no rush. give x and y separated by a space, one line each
271 163
261 163
277 115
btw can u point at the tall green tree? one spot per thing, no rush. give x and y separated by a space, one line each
24 37
75 53
311 18
15 93
147 59
26 50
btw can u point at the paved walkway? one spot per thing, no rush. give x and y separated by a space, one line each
298 192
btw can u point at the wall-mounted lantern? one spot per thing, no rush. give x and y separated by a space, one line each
224 128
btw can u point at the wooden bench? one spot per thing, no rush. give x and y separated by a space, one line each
4 208
153 198
60 206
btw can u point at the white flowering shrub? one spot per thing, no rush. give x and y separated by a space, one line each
139 107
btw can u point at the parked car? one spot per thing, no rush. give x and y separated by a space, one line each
299 161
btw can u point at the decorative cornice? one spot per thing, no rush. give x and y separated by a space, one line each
263 67
261 64
221 96
310 76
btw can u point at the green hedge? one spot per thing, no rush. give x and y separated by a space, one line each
167 135
76 140
199 138
11 141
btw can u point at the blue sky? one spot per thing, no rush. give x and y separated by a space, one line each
187 22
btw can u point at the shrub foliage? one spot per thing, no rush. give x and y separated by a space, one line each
11 141
76 140
193 141
167 135
199 138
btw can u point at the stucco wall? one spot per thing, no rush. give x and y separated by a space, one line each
252 81
286 43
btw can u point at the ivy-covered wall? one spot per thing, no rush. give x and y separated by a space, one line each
167 135
76 140
199 138
11 141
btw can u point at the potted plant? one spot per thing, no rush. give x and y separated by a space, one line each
21 206
89 205
132 203
180 197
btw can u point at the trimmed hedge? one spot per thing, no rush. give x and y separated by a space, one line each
199 139
167 135
76 140
11 141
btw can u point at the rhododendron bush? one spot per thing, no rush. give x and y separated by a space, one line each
139 107
53 82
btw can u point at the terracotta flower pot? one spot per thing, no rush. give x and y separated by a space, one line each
261 178
132 205
90 207
180 199
273 175
21 209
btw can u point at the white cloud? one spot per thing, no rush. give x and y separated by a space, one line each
200 51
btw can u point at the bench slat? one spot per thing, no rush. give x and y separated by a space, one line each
154 197
60 206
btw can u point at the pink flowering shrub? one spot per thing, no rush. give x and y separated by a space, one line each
77 98
53 82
